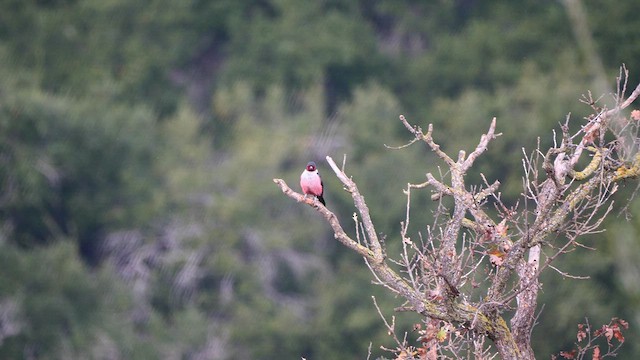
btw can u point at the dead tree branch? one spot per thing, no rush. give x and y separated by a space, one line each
445 276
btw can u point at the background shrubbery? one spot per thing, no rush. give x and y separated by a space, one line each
138 141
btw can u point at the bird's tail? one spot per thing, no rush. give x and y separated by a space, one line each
322 200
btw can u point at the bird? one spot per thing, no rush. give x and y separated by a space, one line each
311 182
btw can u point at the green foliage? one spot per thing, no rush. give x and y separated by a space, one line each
619 42
169 120
60 308
483 51
74 167
65 44
294 43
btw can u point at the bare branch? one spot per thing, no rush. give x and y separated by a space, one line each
439 271
330 217
482 145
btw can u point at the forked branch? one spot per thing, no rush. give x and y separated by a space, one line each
469 244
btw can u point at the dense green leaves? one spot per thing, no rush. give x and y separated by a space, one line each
67 160
54 305
138 141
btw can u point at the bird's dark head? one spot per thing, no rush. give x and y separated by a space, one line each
311 166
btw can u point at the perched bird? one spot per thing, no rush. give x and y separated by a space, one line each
311 183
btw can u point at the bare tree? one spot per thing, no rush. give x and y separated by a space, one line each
470 267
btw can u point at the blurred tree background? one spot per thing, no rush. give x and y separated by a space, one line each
138 141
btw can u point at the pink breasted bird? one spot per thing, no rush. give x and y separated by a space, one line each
311 183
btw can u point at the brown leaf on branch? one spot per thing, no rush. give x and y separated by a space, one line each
611 331
589 340
581 333
591 132
569 354
608 332
618 334
496 256
622 323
